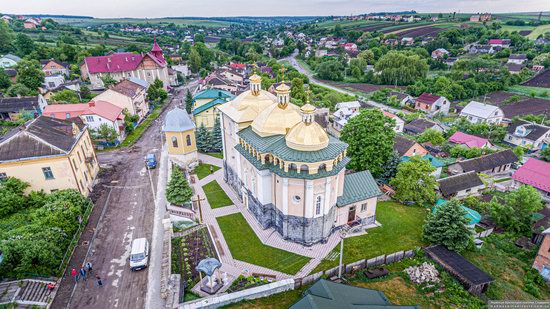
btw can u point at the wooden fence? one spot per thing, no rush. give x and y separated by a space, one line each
356 266
484 233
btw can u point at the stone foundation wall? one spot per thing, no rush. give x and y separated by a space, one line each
232 179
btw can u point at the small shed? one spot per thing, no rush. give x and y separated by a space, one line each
475 280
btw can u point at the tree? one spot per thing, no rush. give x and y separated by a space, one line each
66 96
433 136
18 89
390 168
216 137
178 191
545 154
189 102
370 137
6 38
24 45
204 139
448 227
297 89
399 68
5 81
331 70
414 181
11 196
29 73
107 133
516 210
367 55
195 60
156 91
108 81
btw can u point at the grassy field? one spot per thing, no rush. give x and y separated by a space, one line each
203 170
539 92
87 22
215 195
401 230
218 155
538 31
246 246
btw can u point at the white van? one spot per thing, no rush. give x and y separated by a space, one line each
139 256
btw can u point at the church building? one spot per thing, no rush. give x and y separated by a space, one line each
289 173
179 132
147 67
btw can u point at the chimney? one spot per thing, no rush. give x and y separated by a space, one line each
91 104
126 59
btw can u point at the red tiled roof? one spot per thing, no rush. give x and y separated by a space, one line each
101 108
238 66
117 62
471 141
535 173
427 98
495 41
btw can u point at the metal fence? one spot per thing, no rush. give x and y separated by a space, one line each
356 266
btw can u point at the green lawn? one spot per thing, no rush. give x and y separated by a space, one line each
401 230
539 92
246 246
218 155
215 195
203 170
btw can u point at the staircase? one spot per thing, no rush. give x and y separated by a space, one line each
34 292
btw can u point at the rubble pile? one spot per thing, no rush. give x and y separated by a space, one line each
423 273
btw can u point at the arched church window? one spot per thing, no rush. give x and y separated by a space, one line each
174 142
188 138
318 203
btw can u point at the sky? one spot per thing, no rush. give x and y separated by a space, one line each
216 8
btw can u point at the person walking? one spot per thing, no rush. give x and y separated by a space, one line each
89 267
75 275
99 282
83 273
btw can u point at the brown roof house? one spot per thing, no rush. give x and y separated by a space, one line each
495 163
129 94
461 185
432 104
420 125
542 260
408 148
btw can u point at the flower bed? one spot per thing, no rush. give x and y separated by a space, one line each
242 283
187 252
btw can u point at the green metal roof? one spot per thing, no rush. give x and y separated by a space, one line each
473 216
208 105
277 146
213 94
358 187
291 173
326 294
433 160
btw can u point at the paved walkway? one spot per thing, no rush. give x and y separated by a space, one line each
268 236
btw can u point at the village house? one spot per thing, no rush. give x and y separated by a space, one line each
94 114
204 106
32 23
73 85
216 81
419 125
11 107
179 133
461 185
402 98
7 19
407 41
118 66
470 141
340 119
504 43
527 134
53 81
517 58
354 106
481 49
542 260
50 154
436 163
491 164
408 148
9 61
476 112
432 104
399 123
233 76
129 94
535 173
12 74
53 67
280 161
450 61
440 53
479 18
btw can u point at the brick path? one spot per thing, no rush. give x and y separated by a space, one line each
268 236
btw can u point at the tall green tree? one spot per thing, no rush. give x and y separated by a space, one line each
195 60
5 81
433 136
29 73
390 168
515 212
65 96
448 227
216 141
204 139
6 38
400 68
24 45
178 191
18 89
414 182
107 133
370 137
188 102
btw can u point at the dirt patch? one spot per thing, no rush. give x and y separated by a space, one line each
420 32
525 32
525 106
394 289
540 80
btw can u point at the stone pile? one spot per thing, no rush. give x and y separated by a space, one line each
423 273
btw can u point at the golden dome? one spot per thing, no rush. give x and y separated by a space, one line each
276 119
255 78
308 109
246 106
307 137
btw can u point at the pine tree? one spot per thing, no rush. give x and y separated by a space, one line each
188 102
178 191
390 168
204 138
448 227
216 138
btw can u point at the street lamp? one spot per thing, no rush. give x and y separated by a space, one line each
343 233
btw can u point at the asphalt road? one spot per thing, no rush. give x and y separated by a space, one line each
124 210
